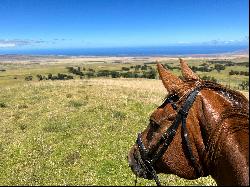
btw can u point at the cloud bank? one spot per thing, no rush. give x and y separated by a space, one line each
6 43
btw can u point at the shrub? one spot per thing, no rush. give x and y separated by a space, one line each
115 74
150 74
209 78
54 77
219 67
40 77
61 76
144 67
246 64
2 105
103 73
75 71
90 74
29 78
202 69
244 85
137 67
245 73
49 76
125 69
70 77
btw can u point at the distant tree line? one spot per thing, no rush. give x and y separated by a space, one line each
138 67
222 62
209 78
206 68
171 67
143 71
246 64
59 76
137 71
202 68
76 71
233 72
219 66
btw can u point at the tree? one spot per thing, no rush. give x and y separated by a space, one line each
219 67
29 78
115 74
125 69
49 76
40 77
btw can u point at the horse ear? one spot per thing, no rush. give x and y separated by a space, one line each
172 83
187 72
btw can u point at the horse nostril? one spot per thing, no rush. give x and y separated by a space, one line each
131 160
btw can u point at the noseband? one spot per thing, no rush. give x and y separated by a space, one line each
149 161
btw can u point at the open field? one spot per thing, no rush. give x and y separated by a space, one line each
78 132
18 67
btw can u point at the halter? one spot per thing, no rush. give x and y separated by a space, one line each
144 154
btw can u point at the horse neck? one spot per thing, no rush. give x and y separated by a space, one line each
226 155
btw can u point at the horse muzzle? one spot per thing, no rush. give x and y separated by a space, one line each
136 165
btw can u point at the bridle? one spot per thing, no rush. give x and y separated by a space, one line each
147 161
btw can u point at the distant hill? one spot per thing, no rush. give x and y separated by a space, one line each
242 51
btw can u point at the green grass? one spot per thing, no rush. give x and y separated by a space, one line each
76 132
19 71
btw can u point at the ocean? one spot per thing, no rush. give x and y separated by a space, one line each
131 51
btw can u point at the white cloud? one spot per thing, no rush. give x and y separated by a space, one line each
5 45
18 42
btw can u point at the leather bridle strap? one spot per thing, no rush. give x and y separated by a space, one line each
167 137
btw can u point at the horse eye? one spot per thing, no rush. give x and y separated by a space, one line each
175 98
154 124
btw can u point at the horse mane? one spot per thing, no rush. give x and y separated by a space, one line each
237 98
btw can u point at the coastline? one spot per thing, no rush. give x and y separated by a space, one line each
54 59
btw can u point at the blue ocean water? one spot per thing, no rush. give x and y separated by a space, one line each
130 51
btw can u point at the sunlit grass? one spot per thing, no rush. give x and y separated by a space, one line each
76 132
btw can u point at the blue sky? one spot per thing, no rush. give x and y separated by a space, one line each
121 23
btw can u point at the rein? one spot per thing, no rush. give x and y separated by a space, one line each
145 158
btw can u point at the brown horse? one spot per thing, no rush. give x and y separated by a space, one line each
201 129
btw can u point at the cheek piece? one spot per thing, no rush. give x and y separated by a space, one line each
146 159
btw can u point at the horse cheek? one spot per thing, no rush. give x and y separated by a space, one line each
175 161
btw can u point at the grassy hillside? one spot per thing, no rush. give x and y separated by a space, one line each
16 71
79 132
76 132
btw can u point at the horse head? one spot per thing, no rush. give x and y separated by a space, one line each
200 129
